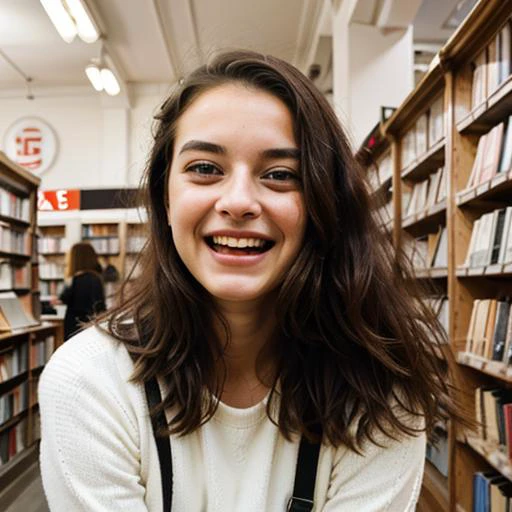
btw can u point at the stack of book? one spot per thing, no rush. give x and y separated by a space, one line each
491 66
12 441
430 251
13 362
491 239
427 193
493 155
427 131
490 330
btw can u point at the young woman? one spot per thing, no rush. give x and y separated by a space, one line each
273 313
85 296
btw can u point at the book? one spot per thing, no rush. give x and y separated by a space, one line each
433 187
436 121
13 311
433 243
421 135
504 52
506 152
492 152
507 414
472 244
507 251
441 193
500 330
441 254
493 69
495 247
489 329
484 239
507 351
479 82
470 345
482 316
474 177
505 235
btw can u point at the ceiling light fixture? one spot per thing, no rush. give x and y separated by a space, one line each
101 76
72 17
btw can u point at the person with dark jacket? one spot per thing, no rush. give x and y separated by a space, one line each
85 296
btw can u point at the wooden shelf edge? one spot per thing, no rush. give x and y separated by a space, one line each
496 458
430 154
497 182
497 369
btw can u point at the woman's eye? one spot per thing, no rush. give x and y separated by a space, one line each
281 175
204 169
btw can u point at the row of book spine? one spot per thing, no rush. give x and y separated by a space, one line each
440 307
51 270
42 351
135 243
108 245
14 276
381 173
493 154
12 205
51 244
54 288
430 251
491 239
490 330
92 230
492 492
427 193
13 362
14 241
13 402
491 66
427 131
13 441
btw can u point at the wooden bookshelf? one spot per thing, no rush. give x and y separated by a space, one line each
25 350
471 110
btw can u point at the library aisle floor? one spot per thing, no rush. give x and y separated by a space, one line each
31 498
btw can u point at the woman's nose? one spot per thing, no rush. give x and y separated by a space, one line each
239 197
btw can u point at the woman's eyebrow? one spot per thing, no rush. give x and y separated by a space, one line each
200 145
210 147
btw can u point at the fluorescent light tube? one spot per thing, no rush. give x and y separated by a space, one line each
110 83
61 19
93 74
85 25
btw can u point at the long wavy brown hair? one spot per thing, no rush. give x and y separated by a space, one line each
354 341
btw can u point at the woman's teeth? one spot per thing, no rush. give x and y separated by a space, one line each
238 242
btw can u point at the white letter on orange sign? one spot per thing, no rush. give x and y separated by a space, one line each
62 199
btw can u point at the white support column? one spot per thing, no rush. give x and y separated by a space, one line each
114 147
372 66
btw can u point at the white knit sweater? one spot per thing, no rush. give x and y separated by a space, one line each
98 451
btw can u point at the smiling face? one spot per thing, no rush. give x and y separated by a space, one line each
236 207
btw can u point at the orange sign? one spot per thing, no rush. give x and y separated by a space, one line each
58 200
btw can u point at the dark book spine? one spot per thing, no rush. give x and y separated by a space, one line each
498 235
500 332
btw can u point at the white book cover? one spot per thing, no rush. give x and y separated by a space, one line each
433 187
507 257
441 257
506 152
441 193
421 135
436 121
505 235
474 177
472 243
385 169
412 206
422 195
484 240
504 52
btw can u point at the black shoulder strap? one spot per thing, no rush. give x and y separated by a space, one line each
305 477
163 444
305 473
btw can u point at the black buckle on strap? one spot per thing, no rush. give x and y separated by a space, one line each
299 505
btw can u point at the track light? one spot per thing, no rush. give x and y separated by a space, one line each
72 17
61 19
102 78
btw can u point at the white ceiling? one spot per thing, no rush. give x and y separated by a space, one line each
156 40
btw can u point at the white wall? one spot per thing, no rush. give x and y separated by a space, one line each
381 74
99 146
372 67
